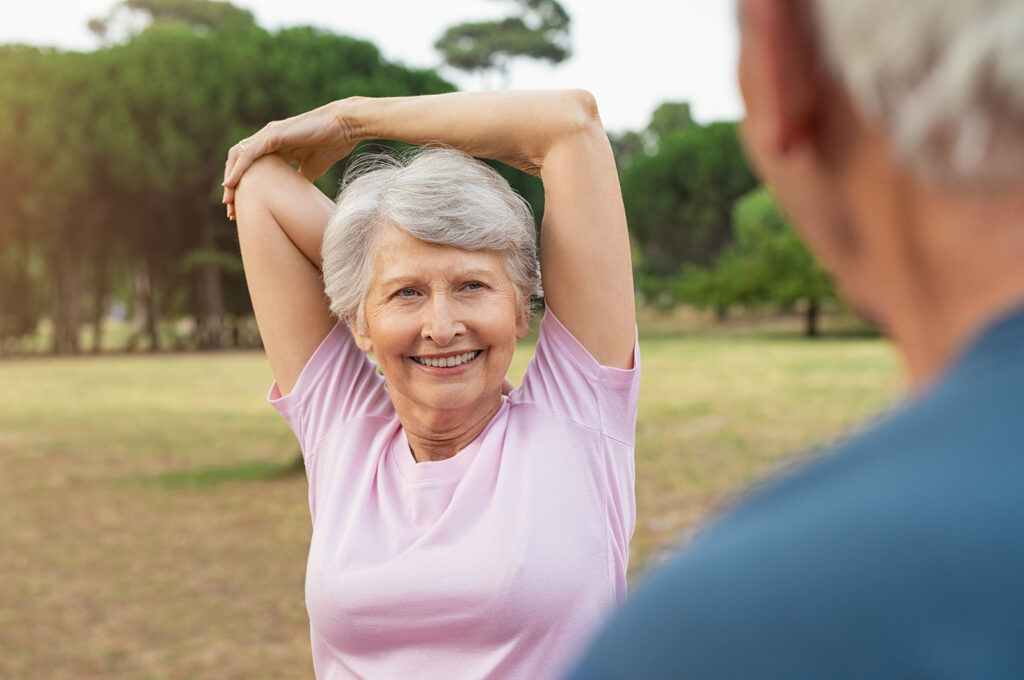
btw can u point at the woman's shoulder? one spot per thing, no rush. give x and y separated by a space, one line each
337 384
557 347
565 379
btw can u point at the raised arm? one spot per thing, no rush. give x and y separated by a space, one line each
585 260
281 221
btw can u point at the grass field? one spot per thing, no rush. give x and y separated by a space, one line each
152 525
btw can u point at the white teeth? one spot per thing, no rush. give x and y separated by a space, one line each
447 362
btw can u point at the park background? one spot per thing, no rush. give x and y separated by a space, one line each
153 519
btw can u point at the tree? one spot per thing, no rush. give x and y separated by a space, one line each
666 120
129 18
540 31
767 264
679 199
50 209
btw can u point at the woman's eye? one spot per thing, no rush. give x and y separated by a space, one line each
474 285
406 292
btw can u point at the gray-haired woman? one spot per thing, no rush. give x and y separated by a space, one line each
457 531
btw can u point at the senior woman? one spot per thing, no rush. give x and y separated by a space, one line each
458 532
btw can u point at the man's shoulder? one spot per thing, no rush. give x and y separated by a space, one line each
908 532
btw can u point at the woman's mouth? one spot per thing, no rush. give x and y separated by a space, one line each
449 361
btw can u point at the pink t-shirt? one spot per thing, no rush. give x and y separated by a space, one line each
499 562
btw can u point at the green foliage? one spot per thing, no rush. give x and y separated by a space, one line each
768 244
679 198
626 146
540 31
22 286
669 118
767 264
208 14
131 17
666 120
218 259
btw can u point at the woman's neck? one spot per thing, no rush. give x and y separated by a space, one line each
439 435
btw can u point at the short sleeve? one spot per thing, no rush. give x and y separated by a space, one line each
564 378
337 384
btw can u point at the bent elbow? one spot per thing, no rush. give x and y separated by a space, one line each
587 103
583 110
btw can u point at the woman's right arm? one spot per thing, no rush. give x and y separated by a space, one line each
281 219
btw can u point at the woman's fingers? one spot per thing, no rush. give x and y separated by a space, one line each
228 198
240 157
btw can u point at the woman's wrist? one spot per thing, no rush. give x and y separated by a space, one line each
353 116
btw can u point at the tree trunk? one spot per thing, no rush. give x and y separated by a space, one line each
99 293
811 327
144 312
211 325
152 318
68 303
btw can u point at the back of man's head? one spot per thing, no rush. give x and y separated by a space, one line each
944 79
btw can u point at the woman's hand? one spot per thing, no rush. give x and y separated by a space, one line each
315 140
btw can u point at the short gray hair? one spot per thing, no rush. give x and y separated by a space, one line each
944 79
438 195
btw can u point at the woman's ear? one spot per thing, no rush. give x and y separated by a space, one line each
523 322
361 335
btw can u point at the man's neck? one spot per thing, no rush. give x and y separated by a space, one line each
951 264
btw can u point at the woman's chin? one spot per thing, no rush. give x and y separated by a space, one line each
456 402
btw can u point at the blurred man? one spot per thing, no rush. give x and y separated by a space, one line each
894 135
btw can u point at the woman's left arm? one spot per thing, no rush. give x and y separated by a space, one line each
558 135
584 243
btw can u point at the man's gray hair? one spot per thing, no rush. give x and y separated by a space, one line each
943 78
438 195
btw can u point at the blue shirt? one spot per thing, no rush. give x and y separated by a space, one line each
900 555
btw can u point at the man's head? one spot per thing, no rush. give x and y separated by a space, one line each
879 125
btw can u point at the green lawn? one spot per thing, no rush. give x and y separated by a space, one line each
152 525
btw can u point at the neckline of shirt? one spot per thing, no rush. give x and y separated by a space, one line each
435 471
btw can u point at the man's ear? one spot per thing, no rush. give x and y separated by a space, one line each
361 335
780 72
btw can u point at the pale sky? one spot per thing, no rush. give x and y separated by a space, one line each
632 55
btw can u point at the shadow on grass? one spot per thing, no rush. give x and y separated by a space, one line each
212 475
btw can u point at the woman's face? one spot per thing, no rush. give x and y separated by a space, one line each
443 323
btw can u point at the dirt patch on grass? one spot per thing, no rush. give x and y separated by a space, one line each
123 580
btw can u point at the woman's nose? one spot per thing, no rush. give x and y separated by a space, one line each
442 323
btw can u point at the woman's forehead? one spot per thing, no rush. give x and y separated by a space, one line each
397 268
425 260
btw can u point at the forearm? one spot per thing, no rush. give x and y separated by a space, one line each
519 128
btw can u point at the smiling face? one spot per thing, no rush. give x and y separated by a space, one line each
443 323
